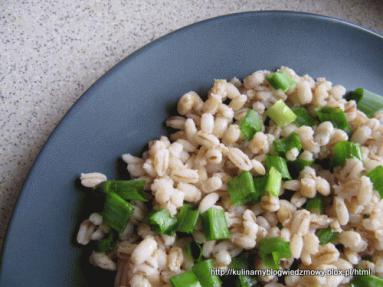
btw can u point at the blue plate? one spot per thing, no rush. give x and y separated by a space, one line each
127 107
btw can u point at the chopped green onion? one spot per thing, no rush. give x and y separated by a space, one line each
326 235
241 262
297 165
367 281
187 218
281 114
315 204
376 177
214 224
260 187
368 102
162 221
127 189
336 116
250 124
117 211
282 146
241 188
106 244
303 117
203 271
185 279
194 251
272 249
279 164
274 182
281 81
344 150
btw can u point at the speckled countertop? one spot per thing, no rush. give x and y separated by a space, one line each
52 51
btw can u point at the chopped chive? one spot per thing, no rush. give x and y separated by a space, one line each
241 188
260 187
281 81
272 249
367 281
282 146
203 271
162 221
376 177
187 218
341 151
214 224
336 116
297 165
274 182
185 279
279 164
106 244
127 189
315 204
250 124
368 102
326 235
241 262
281 114
303 117
117 211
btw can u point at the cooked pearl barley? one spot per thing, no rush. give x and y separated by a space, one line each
85 232
322 186
185 175
254 80
326 254
101 260
239 159
258 167
213 156
212 104
139 280
220 126
292 154
175 259
259 143
270 203
208 201
311 243
361 135
191 192
212 184
296 245
187 102
207 248
92 179
207 123
352 240
226 111
301 222
303 94
341 210
238 102
190 129
323 133
206 140
144 250
231 135
308 187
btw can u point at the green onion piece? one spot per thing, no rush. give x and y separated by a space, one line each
162 221
241 188
274 182
315 204
297 165
187 218
194 251
185 279
281 114
282 146
336 116
250 124
203 271
376 177
272 249
238 263
326 235
127 189
368 102
344 150
117 211
260 187
279 164
303 117
281 81
367 281
214 224
106 244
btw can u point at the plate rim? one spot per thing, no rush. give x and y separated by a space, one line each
133 55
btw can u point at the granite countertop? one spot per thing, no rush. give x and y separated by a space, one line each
52 51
